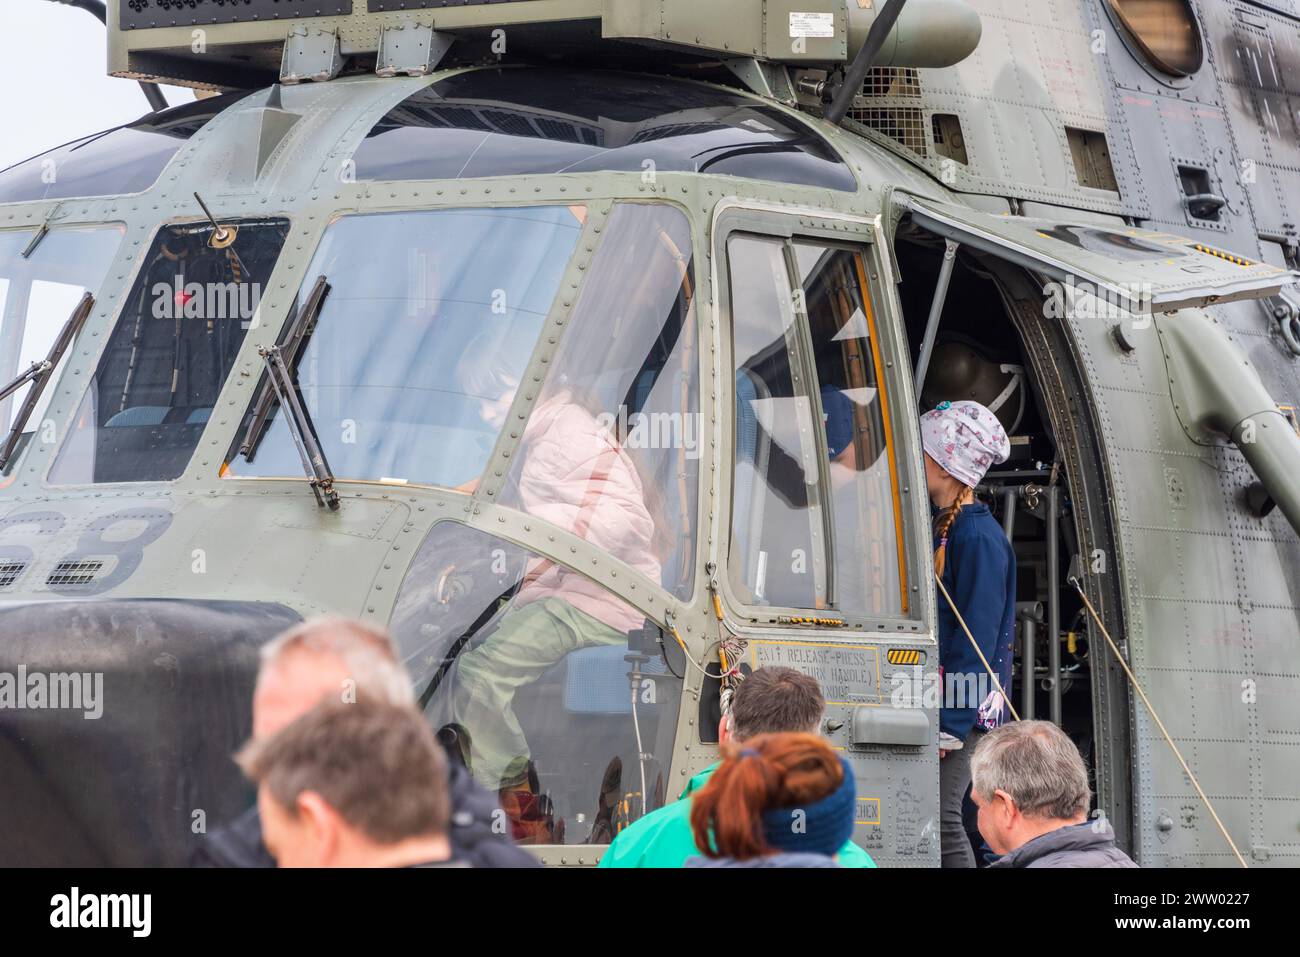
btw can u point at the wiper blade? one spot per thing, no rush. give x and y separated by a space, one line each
295 334
301 429
38 374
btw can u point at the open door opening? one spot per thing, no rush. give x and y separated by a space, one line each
993 344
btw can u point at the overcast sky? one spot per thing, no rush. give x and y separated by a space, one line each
53 83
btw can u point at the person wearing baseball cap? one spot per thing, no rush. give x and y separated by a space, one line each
977 566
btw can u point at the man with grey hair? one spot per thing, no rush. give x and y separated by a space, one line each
325 657
1031 787
335 659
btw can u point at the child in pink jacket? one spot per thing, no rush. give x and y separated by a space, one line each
572 473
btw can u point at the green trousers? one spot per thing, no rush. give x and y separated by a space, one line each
526 644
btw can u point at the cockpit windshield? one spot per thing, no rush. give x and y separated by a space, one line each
37 293
390 376
420 342
174 345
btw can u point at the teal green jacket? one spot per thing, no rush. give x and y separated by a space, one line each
664 838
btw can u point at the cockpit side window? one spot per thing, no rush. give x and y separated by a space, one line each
174 345
816 516
421 341
866 543
38 292
611 450
552 691
779 554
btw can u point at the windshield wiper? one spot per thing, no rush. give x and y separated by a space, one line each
301 429
290 344
39 367
38 374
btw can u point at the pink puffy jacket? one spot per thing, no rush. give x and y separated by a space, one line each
574 475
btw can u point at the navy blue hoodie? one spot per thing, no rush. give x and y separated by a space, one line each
980 575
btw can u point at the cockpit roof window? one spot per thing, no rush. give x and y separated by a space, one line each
512 122
128 159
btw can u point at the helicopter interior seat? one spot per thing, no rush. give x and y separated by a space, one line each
159 414
596 681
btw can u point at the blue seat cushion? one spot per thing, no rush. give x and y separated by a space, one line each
596 681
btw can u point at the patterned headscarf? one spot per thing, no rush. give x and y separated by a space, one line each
965 438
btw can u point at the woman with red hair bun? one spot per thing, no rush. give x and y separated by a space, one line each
777 800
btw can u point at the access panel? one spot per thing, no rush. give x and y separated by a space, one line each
881 716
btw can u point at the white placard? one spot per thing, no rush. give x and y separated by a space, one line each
812 24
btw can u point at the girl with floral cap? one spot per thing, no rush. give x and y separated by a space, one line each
974 560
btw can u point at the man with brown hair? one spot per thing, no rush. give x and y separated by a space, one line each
770 700
353 785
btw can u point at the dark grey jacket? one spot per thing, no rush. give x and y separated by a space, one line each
1090 844
473 838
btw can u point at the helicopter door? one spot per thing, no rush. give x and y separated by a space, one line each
1136 270
820 570
816 504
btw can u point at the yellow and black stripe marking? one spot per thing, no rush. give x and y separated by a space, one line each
826 622
905 656
1220 254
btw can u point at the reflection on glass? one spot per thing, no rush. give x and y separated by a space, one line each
778 543
568 719
128 159
611 451
863 502
175 342
38 294
424 336
511 122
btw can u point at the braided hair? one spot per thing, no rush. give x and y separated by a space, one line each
943 524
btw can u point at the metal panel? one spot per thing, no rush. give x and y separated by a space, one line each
1137 269
1256 57
383 6
891 749
805 30
1034 73
147 14
896 726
